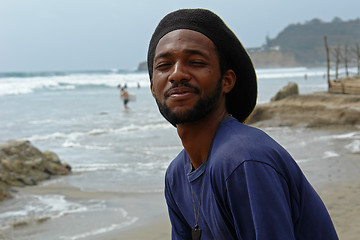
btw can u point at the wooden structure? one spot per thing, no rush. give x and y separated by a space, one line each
348 84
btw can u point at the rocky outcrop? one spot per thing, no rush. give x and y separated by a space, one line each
316 110
142 66
23 164
273 59
288 90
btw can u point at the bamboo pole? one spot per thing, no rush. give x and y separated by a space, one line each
346 60
327 60
358 57
337 53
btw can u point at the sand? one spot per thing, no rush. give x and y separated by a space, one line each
343 203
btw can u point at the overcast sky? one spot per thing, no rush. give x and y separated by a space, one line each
55 35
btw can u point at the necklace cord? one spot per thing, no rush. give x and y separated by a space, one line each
197 214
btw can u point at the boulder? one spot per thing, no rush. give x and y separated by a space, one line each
315 110
288 90
22 164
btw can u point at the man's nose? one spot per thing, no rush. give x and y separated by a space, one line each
179 73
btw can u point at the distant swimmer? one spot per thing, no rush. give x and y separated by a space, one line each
125 96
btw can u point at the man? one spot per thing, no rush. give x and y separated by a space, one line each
125 96
231 181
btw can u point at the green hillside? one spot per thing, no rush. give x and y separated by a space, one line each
306 41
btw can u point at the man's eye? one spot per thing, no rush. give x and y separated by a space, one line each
198 63
162 65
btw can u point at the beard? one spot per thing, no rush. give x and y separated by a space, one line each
202 107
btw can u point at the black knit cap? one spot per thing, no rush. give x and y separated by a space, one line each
241 100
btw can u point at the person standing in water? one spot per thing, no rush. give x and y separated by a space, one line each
125 97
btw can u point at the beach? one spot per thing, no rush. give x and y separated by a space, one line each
119 157
151 225
337 180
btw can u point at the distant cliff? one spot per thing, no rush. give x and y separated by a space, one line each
306 41
273 59
302 44
260 59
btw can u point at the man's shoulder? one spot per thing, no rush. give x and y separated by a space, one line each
236 143
178 163
234 133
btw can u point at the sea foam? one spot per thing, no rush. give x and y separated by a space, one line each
38 208
23 85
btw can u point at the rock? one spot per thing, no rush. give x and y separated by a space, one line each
22 164
142 66
288 90
51 156
67 166
316 110
4 191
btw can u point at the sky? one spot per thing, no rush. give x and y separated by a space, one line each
71 35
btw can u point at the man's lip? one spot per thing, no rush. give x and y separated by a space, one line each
180 91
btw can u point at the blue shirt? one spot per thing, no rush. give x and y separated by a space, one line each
253 189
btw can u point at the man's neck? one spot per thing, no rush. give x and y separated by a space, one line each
197 136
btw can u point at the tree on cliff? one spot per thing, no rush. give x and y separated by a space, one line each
306 42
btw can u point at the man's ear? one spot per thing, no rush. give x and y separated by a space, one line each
228 80
152 88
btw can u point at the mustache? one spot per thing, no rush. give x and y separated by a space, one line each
186 85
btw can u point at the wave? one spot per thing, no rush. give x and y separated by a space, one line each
60 73
278 73
37 209
330 154
144 167
24 83
71 137
350 135
16 84
354 146
30 210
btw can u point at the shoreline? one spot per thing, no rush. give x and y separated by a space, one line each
148 210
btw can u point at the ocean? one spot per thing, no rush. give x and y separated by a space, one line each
80 117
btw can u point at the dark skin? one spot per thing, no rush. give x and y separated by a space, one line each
189 56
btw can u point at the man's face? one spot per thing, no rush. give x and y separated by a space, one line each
186 80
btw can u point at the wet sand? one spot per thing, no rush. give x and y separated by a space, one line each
149 208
